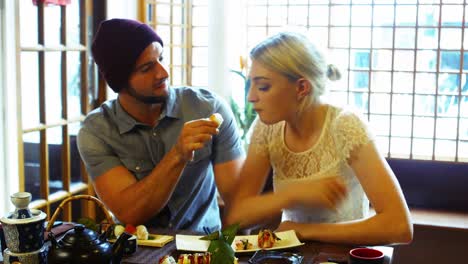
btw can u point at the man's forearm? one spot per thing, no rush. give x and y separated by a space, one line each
143 199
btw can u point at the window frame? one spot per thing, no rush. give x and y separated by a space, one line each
186 45
147 13
48 201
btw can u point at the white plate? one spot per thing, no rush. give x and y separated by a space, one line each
193 243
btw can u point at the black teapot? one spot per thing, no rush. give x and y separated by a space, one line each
81 245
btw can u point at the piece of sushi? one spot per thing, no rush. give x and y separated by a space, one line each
243 244
142 233
197 258
118 230
202 258
266 238
185 259
167 260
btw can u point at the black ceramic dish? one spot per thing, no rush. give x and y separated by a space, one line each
275 257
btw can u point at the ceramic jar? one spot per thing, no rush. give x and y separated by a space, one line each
24 228
34 257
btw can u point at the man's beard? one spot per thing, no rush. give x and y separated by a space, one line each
147 99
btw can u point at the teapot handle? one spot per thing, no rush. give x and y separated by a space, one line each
78 197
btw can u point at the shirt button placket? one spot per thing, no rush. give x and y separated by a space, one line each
157 146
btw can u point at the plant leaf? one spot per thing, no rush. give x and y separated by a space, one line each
213 236
230 233
220 245
246 115
89 223
221 252
240 74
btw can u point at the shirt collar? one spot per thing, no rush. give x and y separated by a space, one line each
173 105
126 122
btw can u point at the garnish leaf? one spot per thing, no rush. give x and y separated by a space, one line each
213 236
220 245
221 252
230 233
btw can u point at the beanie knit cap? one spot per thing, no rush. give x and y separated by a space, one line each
116 47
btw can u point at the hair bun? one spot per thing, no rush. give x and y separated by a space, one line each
333 73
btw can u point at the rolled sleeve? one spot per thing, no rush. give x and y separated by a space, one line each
97 156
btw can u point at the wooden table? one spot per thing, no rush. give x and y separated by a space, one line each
313 252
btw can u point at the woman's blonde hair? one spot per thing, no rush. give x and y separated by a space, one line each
294 56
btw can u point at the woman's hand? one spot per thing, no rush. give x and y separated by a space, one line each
286 225
323 193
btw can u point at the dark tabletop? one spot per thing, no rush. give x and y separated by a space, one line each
313 252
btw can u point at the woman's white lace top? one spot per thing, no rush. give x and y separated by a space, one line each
342 132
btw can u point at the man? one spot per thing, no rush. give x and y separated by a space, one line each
153 155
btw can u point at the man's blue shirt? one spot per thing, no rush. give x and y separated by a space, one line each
110 137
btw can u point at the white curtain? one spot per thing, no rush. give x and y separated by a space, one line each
225 46
9 180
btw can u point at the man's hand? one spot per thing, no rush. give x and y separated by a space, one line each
193 136
323 193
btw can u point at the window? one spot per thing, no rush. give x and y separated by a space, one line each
403 64
56 84
381 46
183 26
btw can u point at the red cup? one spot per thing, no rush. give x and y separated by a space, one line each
366 256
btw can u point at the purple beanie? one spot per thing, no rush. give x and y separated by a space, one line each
116 47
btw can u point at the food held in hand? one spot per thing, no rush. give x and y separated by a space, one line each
218 118
167 260
266 238
243 244
142 232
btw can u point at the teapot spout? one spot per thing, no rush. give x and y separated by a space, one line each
118 247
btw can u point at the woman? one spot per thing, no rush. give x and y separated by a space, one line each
325 164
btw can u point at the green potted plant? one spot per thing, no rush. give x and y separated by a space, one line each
244 115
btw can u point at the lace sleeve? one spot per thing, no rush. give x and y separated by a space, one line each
259 139
351 132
